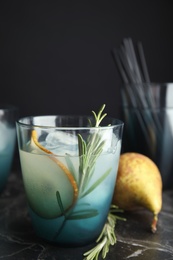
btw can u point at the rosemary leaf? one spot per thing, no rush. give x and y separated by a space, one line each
93 254
88 214
106 238
96 183
71 168
58 196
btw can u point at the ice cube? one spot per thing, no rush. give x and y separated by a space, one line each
65 143
109 138
62 143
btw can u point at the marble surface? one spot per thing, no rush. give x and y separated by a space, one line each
134 239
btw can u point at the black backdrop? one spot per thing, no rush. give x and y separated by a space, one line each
55 56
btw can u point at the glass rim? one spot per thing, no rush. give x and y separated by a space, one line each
140 108
153 83
20 122
149 108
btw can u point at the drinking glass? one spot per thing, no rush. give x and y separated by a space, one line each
148 119
69 172
8 116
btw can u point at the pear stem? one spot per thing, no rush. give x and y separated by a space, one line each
154 224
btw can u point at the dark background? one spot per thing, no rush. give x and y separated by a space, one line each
55 56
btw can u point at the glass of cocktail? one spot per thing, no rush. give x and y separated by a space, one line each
8 116
69 166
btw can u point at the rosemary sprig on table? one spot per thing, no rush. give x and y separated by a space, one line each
107 237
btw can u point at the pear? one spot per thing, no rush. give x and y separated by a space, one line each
138 184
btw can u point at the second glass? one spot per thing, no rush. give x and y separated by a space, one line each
148 117
69 171
8 117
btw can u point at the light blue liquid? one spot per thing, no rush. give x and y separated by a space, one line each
40 186
81 231
71 232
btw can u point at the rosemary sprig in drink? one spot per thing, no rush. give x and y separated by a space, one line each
106 238
89 151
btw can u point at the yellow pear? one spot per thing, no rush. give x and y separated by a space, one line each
138 184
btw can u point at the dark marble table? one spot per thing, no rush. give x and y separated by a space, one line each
134 239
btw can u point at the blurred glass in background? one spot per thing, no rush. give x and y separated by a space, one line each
148 116
8 116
